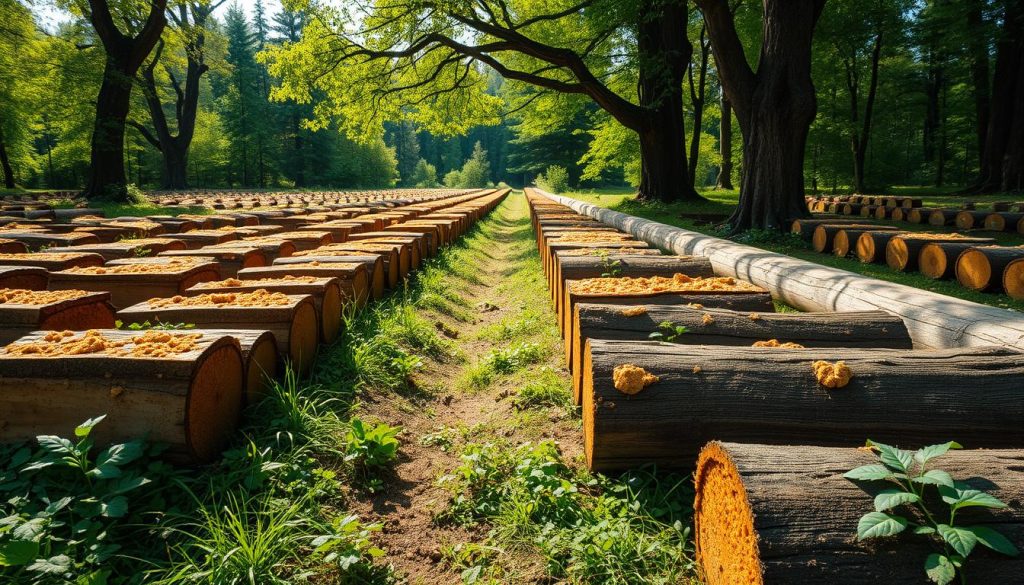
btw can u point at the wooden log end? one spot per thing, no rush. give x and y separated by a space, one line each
214 402
304 337
1013 279
973 270
725 538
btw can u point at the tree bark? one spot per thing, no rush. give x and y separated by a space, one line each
979 71
725 145
5 161
664 54
1007 91
775 107
124 56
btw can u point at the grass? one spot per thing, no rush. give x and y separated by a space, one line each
723 202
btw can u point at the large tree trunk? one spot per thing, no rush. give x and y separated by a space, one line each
775 107
5 161
664 53
725 145
124 56
979 70
1007 91
107 179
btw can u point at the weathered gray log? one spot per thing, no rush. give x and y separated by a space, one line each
781 515
771 395
857 329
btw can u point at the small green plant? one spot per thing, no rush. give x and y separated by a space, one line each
158 325
370 448
908 475
668 331
612 268
65 510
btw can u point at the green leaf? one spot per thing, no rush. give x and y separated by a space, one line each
961 496
105 472
939 569
961 539
83 430
924 530
934 477
869 473
52 565
880 524
95 578
993 540
18 552
888 499
56 445
926 454
115 507
120 454
893 458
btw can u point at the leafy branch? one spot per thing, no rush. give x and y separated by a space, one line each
908 472
669 331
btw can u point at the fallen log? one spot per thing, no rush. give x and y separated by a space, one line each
1003 222
133 281
981 268
261 362
202 238
23 311
732 294
768 514
942 217
181 389
291 318
712 326
970 219
902 251
123 249
426 241
622 264
36 239
389 260
919 215
1013 279
824 234
231 258
938 259
871 246
23 277
12 247
327 293
374 263
772 395
845 240
353 278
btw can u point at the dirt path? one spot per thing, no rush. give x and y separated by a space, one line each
501 303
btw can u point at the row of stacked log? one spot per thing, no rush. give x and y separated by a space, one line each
976 262
231 312
771 406
1003 216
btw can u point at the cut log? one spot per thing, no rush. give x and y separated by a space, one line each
261 361
295 324
981 268
23 277
388 259
353 278
575 267
919 215
190 401
845 241
133 281
554 246
772 395
825 234
751 300
871 246
766 514
969 219
123 249
305 240
432 233
1013 279
902 251
938 259
327 294
1003 222
23 311
419 242
942 217
200 238
271 249
231 258
805 227
374 263
36 239
857 329
12 247
339 231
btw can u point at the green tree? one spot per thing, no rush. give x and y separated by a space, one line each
424 176
419 60
19 88
125 52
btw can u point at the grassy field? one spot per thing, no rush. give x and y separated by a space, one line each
434 443
723 202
